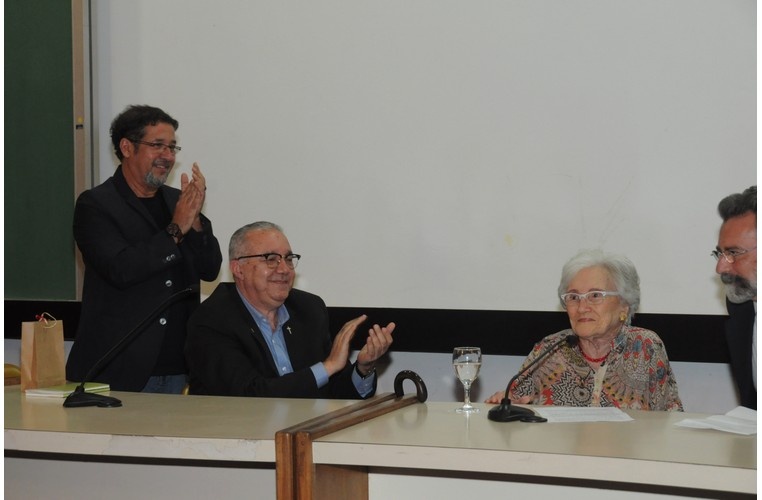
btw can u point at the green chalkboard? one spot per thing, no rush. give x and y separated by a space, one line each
39 150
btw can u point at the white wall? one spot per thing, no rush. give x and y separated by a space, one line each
695 380
450 154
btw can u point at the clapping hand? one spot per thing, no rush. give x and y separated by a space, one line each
378 342
192 196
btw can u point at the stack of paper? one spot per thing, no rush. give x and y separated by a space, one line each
61 391
740 420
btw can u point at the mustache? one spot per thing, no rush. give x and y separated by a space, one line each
734 279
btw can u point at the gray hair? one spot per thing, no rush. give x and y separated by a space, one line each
738 204
620 268
239 236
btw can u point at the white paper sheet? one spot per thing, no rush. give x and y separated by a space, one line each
740 420
582 414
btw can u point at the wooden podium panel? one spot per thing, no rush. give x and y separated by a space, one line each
298 477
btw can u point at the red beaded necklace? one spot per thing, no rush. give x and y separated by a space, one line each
592 360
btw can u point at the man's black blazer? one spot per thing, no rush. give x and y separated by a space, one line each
132 266
227 354
739 329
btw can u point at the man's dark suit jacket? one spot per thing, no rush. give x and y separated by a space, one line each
738 331
227 354
132 266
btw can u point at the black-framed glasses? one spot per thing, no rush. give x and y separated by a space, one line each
273 259
159 147
593 297
730 255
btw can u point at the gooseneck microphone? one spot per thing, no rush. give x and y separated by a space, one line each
507 413
79 397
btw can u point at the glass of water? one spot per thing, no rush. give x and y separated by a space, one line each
467 362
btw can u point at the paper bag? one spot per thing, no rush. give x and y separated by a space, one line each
42 353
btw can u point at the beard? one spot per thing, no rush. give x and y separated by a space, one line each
158 181
738 289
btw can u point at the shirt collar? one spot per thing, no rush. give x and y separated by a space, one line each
282 313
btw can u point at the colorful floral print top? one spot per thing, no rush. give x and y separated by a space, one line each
635 375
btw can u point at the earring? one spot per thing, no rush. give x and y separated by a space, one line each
622 317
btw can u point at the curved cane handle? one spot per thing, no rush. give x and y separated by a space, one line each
420 387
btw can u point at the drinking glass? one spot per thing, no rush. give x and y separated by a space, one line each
467 361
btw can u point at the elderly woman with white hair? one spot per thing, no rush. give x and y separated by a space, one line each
612 363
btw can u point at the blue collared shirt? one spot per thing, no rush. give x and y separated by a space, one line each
276 342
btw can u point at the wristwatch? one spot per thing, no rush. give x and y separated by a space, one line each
370 372
174 231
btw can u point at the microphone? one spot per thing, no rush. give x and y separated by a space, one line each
79 397
505 412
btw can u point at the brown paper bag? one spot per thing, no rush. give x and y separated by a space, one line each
42 353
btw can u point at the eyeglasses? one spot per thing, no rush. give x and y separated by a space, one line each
730 255
273 259
159 147
594 297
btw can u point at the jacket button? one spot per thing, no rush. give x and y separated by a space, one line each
162 321
168 283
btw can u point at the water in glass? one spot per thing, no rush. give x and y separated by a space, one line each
467 361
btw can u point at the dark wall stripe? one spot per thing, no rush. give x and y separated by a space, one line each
688 337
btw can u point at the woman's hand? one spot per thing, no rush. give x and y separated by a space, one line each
496 398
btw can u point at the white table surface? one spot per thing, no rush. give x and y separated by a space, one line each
649 450
157 425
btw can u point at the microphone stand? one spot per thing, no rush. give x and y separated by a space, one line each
80 398
505 412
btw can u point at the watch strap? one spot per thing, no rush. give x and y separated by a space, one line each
174 231
369 374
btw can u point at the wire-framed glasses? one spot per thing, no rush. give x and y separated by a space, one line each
159 147
730 255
